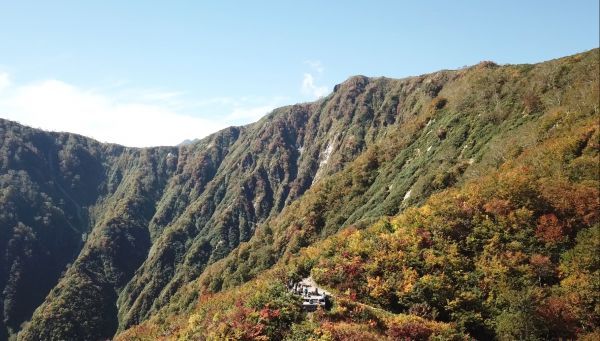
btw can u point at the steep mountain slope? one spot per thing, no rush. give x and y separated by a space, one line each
510 253
58 191
165 224
272 163
485 121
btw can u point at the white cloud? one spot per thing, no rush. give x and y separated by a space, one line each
315 65
310 88
58 106
160 95
144 119
4 81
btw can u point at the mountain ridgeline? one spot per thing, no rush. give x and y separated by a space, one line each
100 240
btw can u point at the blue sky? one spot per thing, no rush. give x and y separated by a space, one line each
147 73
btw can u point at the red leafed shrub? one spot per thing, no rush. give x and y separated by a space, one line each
269 314
549 229
344 331
240 320
426 239
409 331
542 265
559 317
540 261
498 207
578 204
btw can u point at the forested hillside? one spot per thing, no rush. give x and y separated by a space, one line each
184 240
75 210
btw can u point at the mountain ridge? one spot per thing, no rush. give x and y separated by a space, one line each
377 144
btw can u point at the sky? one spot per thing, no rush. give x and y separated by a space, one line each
145 73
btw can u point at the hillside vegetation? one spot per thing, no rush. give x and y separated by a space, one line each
459 203
509 252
